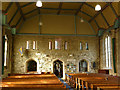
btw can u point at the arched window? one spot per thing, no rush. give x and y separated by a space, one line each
27 45
108 51
83 66
5 52
81 46
58 44
50 45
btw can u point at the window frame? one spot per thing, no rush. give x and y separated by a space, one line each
27 44
107 43
5 51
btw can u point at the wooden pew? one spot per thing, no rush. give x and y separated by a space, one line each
83 75
28 74
93 77
108 88
89 83
32 82
70 77
94 85
81 83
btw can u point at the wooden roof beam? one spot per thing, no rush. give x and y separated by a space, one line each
31 11
89 5
97 24
57 9
113 10
13 17
99 12
18 21
86 14
10 4
38 8
60 7
79 9
27 4
18 5
105 19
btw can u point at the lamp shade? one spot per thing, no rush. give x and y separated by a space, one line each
97 7
39 3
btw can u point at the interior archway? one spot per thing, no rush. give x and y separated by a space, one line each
58 68
83 66
31 66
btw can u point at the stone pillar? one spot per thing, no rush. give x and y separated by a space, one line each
113 35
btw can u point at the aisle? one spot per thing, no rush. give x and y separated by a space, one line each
67 86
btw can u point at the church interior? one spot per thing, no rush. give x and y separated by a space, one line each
63 45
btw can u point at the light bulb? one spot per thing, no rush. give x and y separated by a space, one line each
39 3
82 20
97 7
40 23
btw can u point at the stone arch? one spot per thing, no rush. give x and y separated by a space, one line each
33 60
63 66
83 66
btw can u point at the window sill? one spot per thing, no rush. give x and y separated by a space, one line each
107 68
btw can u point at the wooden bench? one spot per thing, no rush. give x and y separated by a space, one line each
108 88
83 75
91 80
32 82
91 83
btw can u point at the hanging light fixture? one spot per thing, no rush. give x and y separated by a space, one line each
97 7
81 20
39 3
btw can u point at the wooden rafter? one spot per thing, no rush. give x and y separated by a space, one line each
13 17
27 4
18 21
86 14
18 5
31 11
105 19
99 12
38 10
79 9
89 5
113 10
60 6
96 24
10 4
57 9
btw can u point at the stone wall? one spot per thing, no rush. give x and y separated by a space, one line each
112 34
46 58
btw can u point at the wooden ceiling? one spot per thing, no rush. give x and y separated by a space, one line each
18 12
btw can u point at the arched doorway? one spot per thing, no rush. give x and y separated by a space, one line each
31 66
83 66
58 68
